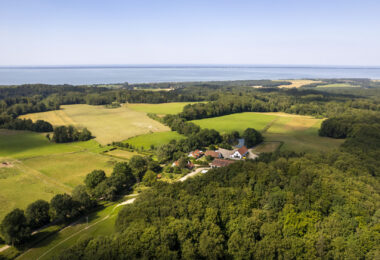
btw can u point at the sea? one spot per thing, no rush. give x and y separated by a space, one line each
83 75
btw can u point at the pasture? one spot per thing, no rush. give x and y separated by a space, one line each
161 109
39 169
297 133
236 122
107 125
155 139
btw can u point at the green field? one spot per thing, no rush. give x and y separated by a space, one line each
161 109
155 139
107 125
39 169
238 122
24 144
338 85
297 133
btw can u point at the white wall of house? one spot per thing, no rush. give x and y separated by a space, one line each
236 154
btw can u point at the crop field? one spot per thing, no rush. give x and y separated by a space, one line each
38 169
297 133
297 83
107 125
161 109
155 139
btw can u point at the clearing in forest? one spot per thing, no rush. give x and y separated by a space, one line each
297 83
106 124
296 132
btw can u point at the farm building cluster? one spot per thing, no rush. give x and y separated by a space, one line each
220 157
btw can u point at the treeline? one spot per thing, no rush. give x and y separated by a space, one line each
66 134
8 122
289 101
283 206
19 100
230 83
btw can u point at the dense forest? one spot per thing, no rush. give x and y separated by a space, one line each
282 206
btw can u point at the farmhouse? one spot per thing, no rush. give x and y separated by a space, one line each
240 153
196 154
213 154
225 153
217 163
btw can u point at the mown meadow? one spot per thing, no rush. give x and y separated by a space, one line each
106 124
295 132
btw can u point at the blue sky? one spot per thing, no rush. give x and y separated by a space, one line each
78 32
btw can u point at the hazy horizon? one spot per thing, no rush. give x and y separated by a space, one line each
170 65
115 32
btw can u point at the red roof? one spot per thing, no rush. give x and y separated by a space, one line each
197 153
243 150
212 154
221 162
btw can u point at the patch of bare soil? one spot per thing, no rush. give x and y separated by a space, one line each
6 165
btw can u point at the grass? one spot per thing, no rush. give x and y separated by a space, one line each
41 169
237 122
24 144
297 133
266 147
338 85
155 139
107 125
118 153
164 108
71 173
21 185
104 221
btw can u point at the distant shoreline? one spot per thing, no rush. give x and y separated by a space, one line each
189 66
133 74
